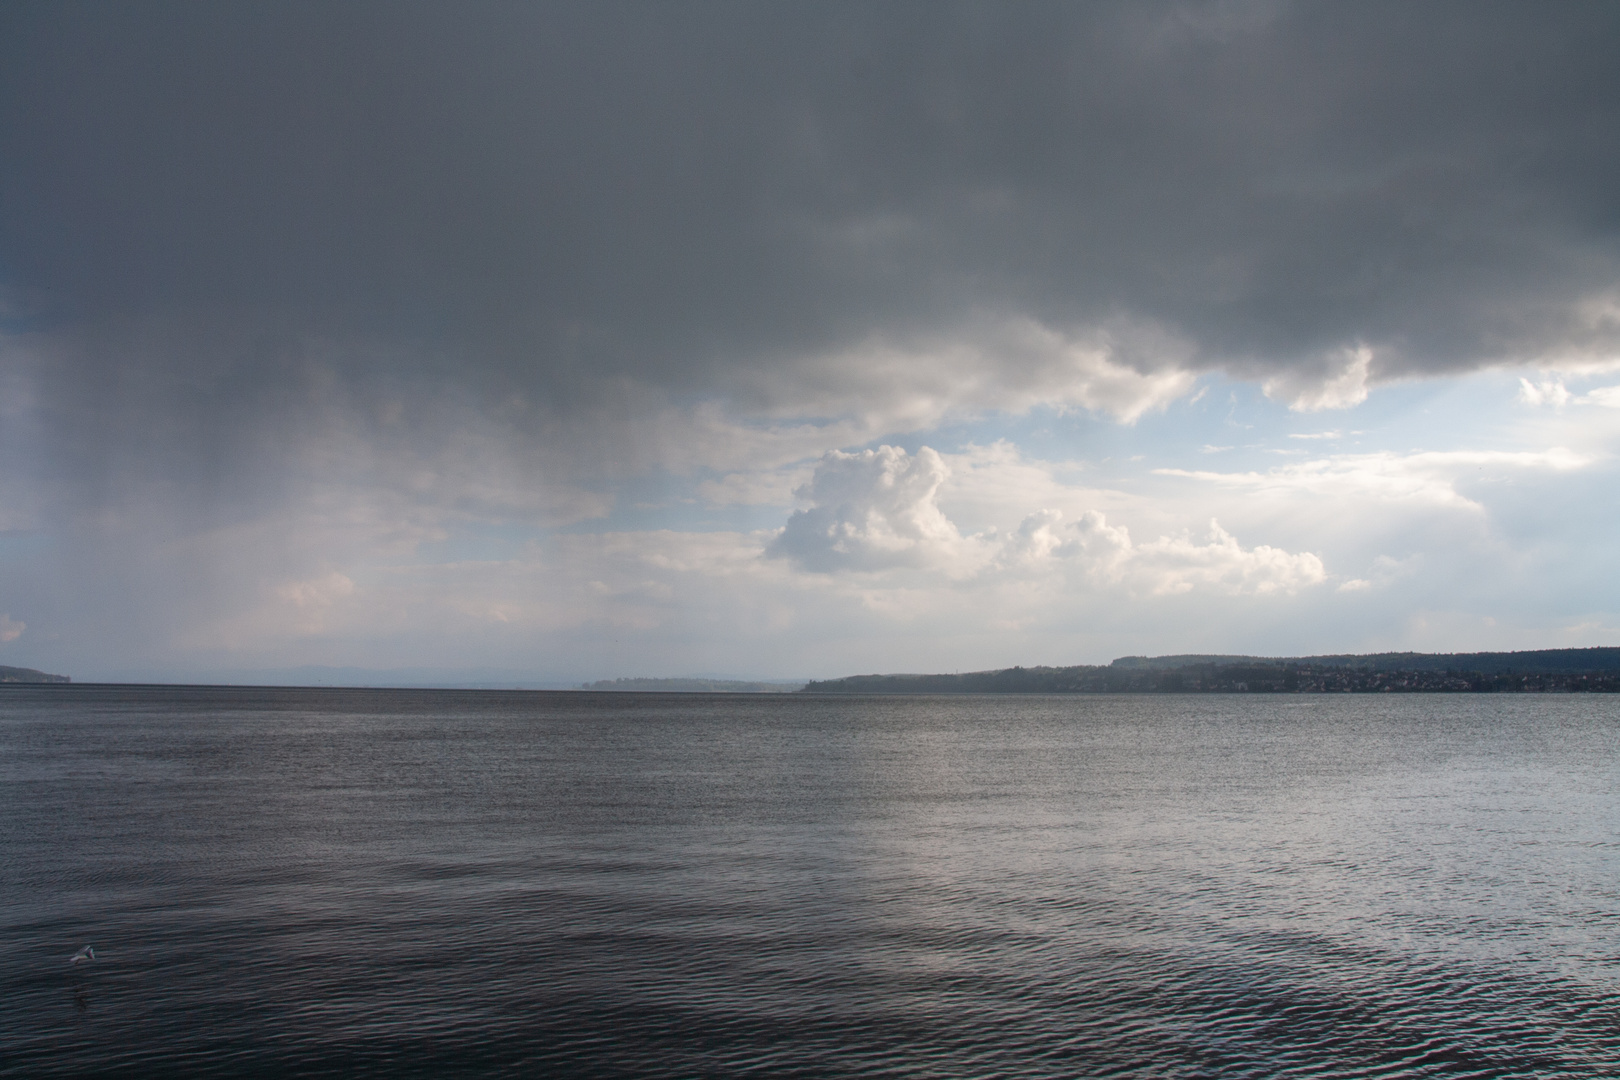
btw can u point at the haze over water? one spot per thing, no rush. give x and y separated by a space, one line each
420 882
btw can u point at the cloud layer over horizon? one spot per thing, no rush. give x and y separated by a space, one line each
504 335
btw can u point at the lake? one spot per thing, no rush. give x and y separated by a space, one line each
511 883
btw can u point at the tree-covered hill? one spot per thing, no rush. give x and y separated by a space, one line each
1545 670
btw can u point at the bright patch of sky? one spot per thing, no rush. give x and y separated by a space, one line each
1435 514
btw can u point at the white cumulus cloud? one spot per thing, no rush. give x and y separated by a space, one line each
873 510
877 510
1171 565
1167 566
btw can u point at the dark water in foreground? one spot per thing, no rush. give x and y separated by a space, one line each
429 883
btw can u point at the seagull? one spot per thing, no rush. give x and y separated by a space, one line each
86 953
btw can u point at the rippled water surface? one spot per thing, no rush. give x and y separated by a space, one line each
424 883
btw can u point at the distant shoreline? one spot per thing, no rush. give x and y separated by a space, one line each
1590 670
1594 670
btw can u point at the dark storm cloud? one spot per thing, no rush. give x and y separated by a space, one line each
254 211
718 179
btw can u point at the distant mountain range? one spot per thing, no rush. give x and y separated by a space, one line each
29 675
1545 670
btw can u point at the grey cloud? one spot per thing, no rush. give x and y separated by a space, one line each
669 192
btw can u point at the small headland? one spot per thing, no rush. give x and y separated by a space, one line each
29 675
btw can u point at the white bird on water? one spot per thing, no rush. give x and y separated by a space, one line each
86 953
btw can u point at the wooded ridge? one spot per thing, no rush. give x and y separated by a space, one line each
1543 670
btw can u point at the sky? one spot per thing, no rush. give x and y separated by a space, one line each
550 342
